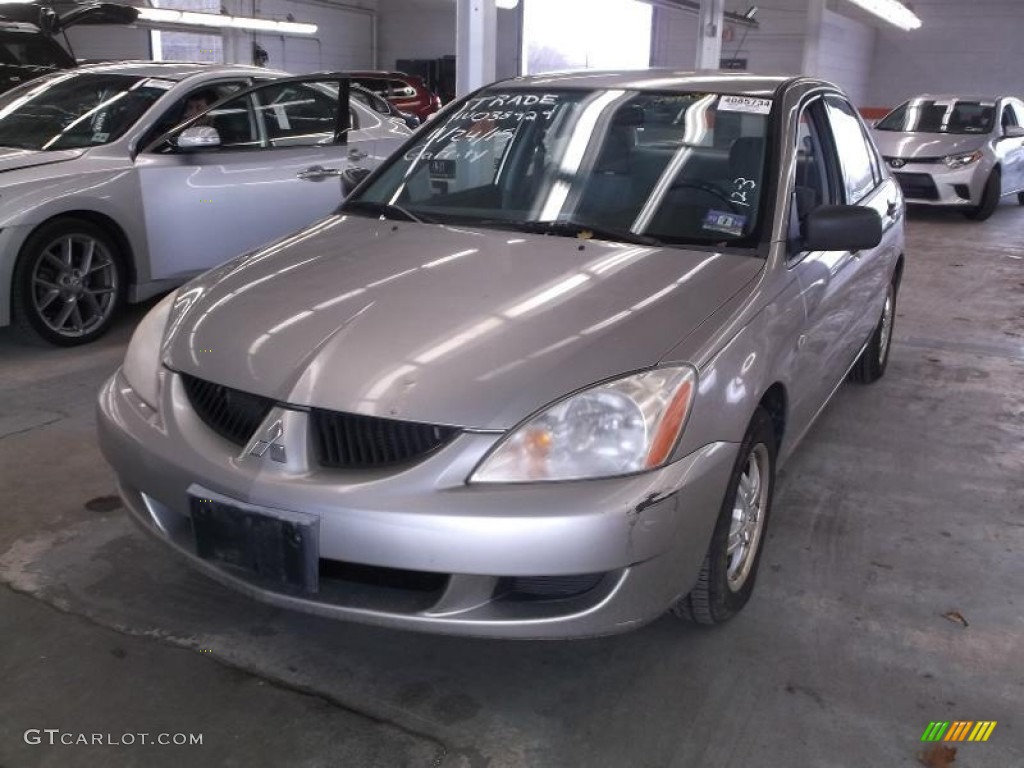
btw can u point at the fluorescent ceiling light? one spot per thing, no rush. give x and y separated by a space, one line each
893 11
220 21
506 4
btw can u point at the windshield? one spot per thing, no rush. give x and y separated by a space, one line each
674 168
958 116
72 110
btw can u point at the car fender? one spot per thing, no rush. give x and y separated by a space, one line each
753 346
27 203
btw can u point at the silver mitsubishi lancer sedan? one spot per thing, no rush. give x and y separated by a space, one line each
105 200
966 153
536 376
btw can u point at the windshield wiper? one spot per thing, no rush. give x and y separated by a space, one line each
387 210
569 228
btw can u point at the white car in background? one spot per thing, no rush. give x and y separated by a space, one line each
956 151
121 181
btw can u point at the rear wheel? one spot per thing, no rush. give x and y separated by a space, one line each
727 575
68 282
871 364
989 198
1020 198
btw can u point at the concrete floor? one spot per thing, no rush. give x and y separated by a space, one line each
905 502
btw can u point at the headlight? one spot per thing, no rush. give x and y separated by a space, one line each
615 428
963 159
142 360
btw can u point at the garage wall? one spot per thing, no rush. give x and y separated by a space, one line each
962 47
425 29
344 39
410 30
845 55
775 47
674 39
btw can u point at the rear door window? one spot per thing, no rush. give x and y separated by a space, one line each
401 90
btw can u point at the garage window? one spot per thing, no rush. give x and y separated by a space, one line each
187 46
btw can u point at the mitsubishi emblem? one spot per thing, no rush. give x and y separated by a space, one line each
270 443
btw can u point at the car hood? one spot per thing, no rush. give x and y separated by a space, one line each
472 328
929 145
13 159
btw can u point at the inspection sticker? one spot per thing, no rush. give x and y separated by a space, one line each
748 104
728 223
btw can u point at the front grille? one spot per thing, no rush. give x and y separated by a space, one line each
351 441
231 414
899 162
918 186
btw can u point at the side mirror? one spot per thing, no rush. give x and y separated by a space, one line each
198 137
842 228
1013 132
351 178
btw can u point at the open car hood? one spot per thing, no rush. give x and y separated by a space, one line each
50 23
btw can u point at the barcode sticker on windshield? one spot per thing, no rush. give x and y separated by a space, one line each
749 104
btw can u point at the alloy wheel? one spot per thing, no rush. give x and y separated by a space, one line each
885 337
74 285
748 517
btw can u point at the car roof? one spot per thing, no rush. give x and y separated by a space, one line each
172 70
732 83
374 73
955 97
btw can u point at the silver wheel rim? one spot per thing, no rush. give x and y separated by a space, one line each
74 285
748 514
886 336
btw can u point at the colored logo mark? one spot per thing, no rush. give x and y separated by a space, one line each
959 730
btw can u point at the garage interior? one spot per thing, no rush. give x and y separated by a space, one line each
890 589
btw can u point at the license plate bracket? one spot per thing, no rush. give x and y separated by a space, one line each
276 547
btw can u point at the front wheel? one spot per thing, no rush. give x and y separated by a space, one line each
989 198
68 282
871 364
727 575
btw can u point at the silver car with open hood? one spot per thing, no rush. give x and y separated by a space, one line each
536 376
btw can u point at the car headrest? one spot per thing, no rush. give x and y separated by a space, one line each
745 156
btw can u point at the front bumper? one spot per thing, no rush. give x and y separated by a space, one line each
935 184
644 536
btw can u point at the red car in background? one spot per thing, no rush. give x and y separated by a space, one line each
407 92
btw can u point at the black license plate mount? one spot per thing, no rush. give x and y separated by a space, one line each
275 548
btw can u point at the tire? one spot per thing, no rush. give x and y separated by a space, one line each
1020 198
726 579
873 361
989 198
69 283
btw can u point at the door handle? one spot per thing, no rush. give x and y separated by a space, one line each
357 154
318 173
